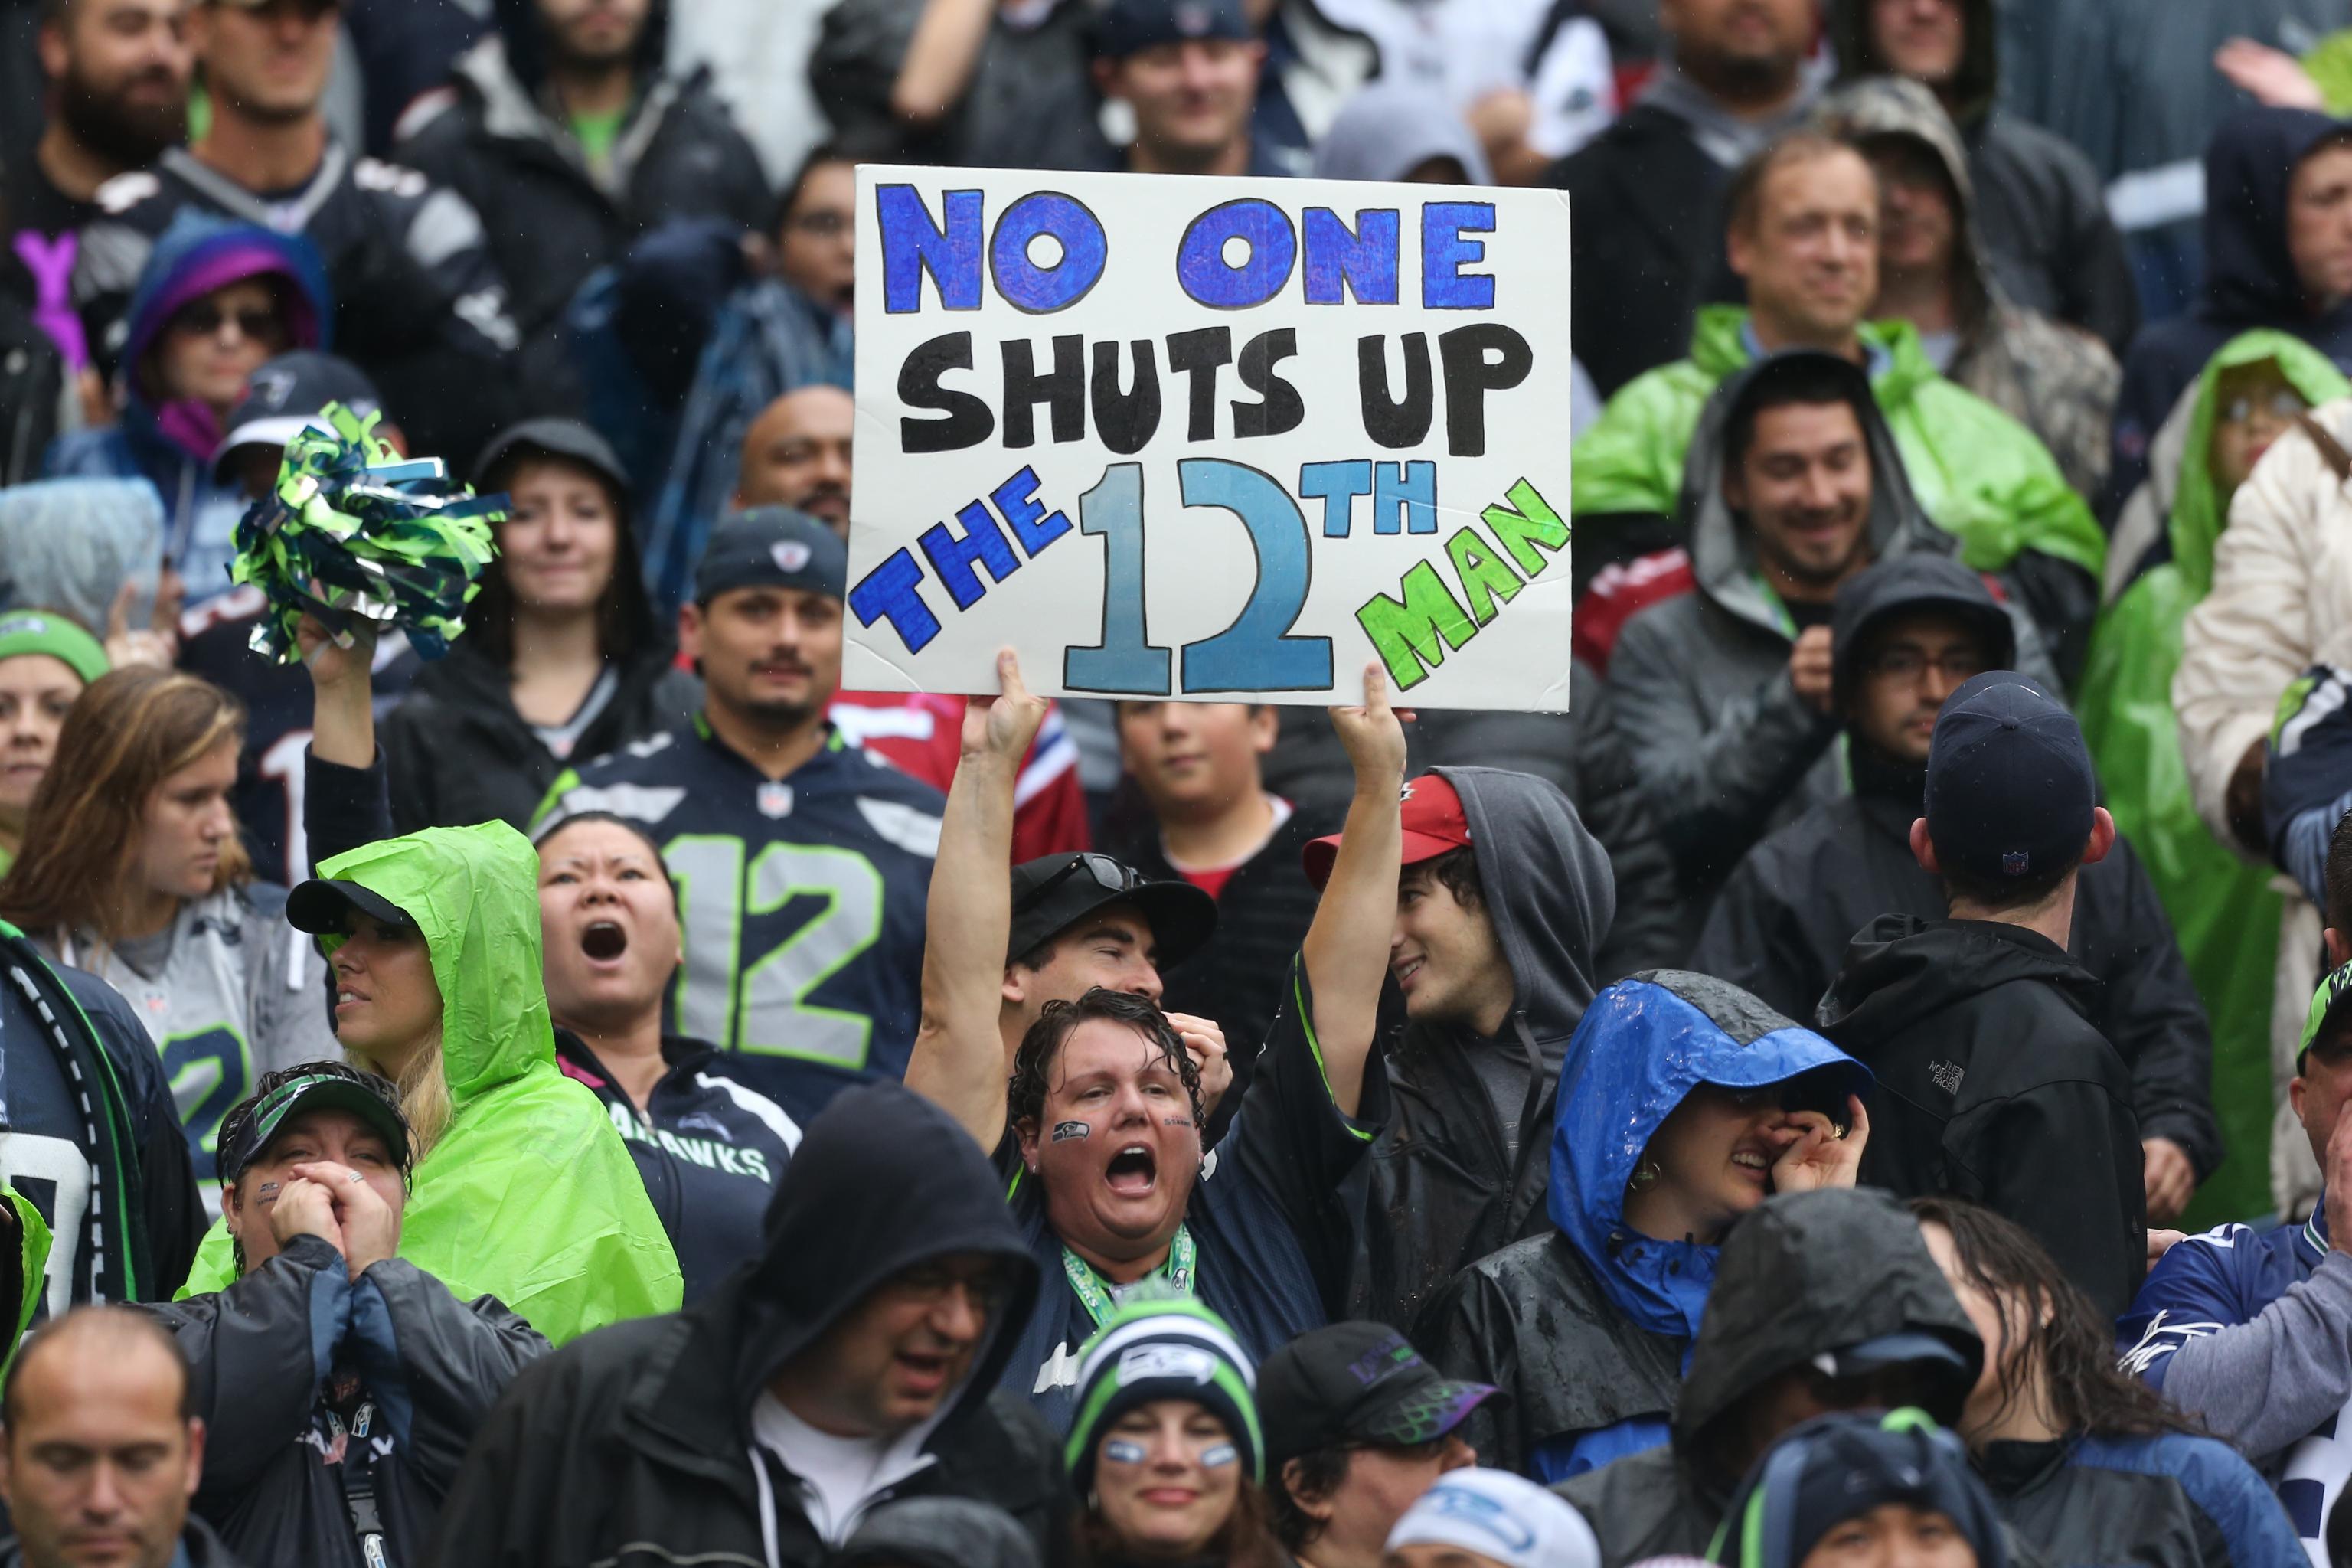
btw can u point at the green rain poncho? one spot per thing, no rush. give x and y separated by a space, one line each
2222 909
32 1266
529 1195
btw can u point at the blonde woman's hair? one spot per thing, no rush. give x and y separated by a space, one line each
423 1089
126 735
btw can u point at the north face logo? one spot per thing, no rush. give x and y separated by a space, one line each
1947 1076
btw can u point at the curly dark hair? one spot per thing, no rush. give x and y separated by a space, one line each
1456 871
2045 1316
1024 1097
1321 1473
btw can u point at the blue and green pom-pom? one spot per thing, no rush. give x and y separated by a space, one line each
357 534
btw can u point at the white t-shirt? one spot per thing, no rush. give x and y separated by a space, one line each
838 1476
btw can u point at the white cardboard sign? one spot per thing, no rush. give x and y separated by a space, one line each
1223 439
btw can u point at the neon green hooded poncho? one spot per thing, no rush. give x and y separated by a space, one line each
529 1195
2222 909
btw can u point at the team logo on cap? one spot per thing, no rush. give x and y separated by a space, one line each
272 387
790 554
2015 862
1168 1364
1482 1513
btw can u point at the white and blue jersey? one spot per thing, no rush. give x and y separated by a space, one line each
2224 1280
801 901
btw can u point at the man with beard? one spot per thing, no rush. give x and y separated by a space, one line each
570 140
802 859
419 304
1722 697
118 73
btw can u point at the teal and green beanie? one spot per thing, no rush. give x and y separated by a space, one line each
1163 1349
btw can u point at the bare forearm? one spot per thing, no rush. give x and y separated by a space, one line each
1346 948
343 726
959 1061
940 59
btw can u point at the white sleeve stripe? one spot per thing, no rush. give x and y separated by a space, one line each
779 1120
1047 763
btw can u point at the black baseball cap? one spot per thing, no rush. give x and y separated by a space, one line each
2010 789
283 399
1356 1383
250 1135
771 547
1130 26
1054 892
551 438
321 905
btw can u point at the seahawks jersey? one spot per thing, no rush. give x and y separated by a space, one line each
801 900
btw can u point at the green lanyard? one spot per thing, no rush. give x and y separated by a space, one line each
1177 1271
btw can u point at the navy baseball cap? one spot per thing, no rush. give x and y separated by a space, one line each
284 396
1130 26
771 547
2010 790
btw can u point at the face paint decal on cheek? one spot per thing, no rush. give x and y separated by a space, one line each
1176 1121
1119 1451
1218 1455
1065 1131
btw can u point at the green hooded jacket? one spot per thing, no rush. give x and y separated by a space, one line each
1979 473
2223 910
530 1195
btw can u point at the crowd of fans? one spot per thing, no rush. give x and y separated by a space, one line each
1867 1086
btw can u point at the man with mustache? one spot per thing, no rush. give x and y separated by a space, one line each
802 859
1722 695
118 73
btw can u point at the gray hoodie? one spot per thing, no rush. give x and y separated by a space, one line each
1392 127
1699 693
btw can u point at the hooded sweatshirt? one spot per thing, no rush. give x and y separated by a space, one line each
529 1195
1979 473
1804 1275
170 443
1461 1169
642 1446
1993 1085
2041 204
1391 128
2249 278
2058 383
1698 691
1596 1381
2222 909
1782 922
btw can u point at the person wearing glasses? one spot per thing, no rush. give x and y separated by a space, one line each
215 301
1905 633
802 859
1097 1135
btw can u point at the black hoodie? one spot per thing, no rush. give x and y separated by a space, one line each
2250 279
1994 1086
1803 1275
1780 925
633 1446
1462 1167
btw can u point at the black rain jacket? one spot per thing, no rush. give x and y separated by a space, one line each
1448 1182
1993 1085
1804 1274
315 1389
632 1446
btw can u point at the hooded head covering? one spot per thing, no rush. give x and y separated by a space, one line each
1644 1044
2249 278
70 544
1723 555
1838 1468
883 1181
1891 107
197 255
1903 585
529 1195
1978 78
1807 1275
1391 128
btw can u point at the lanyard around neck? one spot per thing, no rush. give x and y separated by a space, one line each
1095 1297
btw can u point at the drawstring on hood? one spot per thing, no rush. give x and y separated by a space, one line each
1644 1044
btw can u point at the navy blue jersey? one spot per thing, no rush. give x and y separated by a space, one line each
801 900
709 1147
1272 1245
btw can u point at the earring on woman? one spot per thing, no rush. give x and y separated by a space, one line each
1645 1176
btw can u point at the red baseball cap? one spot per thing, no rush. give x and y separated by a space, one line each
1433 821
